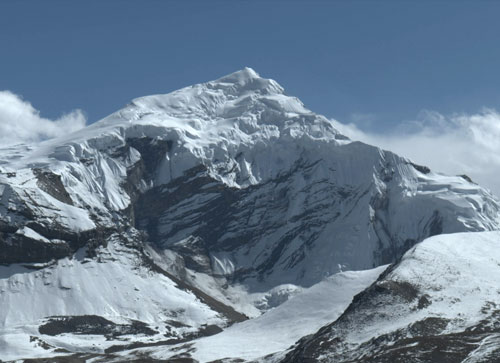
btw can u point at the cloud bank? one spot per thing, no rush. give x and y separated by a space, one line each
456 144
21 122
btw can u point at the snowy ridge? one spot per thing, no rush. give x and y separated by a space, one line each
442 298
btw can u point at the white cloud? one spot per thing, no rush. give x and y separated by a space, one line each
21 122
455 144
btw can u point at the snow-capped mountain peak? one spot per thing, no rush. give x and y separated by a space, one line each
246 80
244 75
228 97
229 185
227 125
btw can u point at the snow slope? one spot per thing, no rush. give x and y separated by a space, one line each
440 303
277 329
116 285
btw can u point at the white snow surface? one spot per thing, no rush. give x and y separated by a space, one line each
459 274
23 186
280 327
113 286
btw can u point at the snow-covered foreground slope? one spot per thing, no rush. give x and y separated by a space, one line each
440 303
93 305
277 329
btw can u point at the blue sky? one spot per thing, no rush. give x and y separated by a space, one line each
377 63
416 77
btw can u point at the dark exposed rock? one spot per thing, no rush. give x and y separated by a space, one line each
205 331
427 347
92 325
51 184
423 301
420 168
402 289
18 248
466 177
435 224
40 343
227 311
421 342
153 152
217 217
